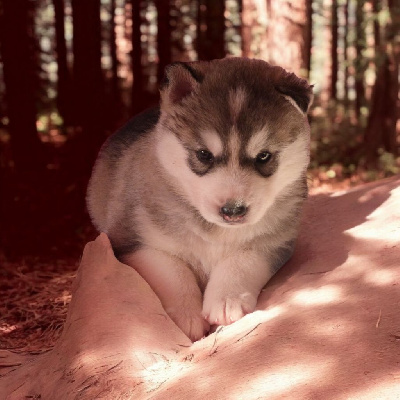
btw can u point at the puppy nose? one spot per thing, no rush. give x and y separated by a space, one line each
233 211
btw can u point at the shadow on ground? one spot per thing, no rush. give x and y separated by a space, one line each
326 325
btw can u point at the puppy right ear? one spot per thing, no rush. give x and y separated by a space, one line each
180 81
296 90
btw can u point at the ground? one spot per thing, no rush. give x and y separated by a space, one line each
326 325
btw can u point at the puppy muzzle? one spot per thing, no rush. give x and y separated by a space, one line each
233 212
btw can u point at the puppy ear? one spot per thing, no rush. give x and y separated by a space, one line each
297 91
180 80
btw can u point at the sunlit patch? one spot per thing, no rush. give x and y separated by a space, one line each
270 313
381 277
323 295
8 328
382 390
163 371
285 379
388 235
371 194
339 193
366 197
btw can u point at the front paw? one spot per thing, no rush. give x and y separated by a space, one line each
193 325
223 310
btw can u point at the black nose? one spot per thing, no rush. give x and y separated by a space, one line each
236 211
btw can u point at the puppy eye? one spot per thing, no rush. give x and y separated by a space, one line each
263 157
204 156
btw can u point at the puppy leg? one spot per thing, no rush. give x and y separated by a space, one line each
234 287
175 285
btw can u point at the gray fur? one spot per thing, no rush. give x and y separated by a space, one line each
145 203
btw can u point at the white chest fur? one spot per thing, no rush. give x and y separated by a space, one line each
200 252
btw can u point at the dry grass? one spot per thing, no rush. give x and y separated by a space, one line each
34 302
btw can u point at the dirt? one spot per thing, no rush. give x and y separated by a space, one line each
326 326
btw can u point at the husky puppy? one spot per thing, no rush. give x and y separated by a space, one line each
202 196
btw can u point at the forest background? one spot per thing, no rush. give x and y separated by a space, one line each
72 71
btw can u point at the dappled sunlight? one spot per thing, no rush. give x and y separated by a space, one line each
354 268
167 371
323 295
338 193
325 326
7 328
270 313
368 196
282 381
327 323
384 390
382 277
391 201
373 234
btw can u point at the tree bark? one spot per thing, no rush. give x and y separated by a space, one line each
334 47
20 83
253 28
306 58
345 53
376 7
163 36
89 91
288 34
359 64
380 132
246 12
115 91
211 29
137 53
64 81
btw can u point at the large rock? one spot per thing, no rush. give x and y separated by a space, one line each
327 325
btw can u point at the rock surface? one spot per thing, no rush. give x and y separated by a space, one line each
327 325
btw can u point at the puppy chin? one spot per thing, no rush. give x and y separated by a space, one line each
231 224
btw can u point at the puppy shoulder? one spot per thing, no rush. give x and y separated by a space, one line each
136 128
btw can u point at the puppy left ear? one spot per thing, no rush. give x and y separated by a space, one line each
296 90
180 80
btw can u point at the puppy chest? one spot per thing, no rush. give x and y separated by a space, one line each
200 256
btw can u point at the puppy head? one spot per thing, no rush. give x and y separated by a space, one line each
233 134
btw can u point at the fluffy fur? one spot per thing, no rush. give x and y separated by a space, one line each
202 196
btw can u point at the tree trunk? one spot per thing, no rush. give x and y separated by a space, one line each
163 36
253 28
288 34
334 48
376 7
359 64
64 94
137 53
345 54
384 114
20 78
211 29
89 92
246 13
306 57
115 91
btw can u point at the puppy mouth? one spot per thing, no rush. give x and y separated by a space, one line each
234 219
